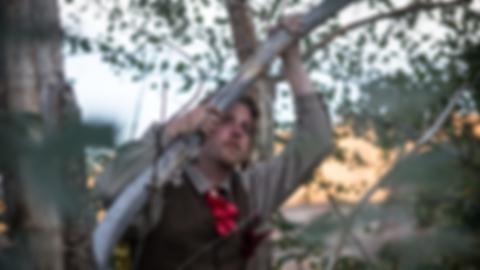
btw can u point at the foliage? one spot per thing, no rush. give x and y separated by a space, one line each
393 77
142 36
44 158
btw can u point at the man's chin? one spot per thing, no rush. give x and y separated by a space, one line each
230 162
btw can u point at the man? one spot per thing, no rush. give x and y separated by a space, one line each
209 212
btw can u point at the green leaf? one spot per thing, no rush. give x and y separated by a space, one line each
437 169
180 67
387 3
221 20
317 232
199 19
427 248
361 40
188 83
165 65
85 45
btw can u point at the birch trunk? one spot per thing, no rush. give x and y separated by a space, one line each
32 83
245 41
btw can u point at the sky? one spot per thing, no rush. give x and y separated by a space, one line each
106 96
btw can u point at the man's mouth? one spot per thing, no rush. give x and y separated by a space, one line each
232 145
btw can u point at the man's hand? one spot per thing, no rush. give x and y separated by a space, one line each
293 68
203 118
292 25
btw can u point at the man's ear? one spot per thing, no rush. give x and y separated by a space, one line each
251 157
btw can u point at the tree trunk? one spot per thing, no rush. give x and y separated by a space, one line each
245 44
32 85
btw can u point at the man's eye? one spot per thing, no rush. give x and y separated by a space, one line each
227 119
248 129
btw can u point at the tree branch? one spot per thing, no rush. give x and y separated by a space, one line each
414 7
242 28
202 75
336 209
442 117
277 8
245 40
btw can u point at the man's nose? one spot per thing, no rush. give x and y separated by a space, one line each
236 130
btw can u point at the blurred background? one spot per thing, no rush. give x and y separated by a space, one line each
79 79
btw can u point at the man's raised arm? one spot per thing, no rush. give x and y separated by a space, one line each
271 182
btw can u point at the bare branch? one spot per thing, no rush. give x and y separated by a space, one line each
243 29
183 53
336 209
278 6
202 74
136 112
164 106
442 117
414 7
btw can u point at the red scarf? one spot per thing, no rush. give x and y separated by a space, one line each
224 212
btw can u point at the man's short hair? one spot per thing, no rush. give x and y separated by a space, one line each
248 102
253 109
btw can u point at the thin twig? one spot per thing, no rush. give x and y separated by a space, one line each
415 7
164 106
202 74
280 7
336 209
427 136
138 105
442 117
137 110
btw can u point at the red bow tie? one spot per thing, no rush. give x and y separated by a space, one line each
224 212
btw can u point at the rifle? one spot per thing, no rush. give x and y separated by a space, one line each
135 196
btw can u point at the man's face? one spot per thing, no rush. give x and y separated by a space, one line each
230 143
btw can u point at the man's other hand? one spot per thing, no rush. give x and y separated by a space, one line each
202 119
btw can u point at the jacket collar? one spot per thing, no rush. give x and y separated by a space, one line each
202 184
